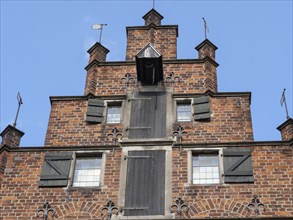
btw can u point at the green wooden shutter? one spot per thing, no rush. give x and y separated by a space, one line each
55 170
201 108
238 166
95 110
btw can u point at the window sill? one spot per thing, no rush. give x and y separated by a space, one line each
75 188
168 216
205 185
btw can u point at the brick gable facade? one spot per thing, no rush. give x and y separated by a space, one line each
214 124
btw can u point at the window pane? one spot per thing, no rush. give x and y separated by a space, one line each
87 172
195 161
209 181
113 114
202 181
183 112
196 181
205 169
216 175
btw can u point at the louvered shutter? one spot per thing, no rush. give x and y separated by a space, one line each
238 166
95 110
201 108
55 170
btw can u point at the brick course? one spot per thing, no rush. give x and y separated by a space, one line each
230 126
67 126
286 130
196 77
272 167
21 196
164 39
3 161
230 122
11 136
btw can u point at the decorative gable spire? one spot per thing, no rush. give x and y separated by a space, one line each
153 17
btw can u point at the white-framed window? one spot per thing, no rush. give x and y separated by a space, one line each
113 113
183 111
205 169
87 171
206 166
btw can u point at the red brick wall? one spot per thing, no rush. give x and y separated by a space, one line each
3 160
106 80
98 52
67 126
272 167
11 137
21 196
207 50
91 82
195 78
210 77
164 40
230 122
287 132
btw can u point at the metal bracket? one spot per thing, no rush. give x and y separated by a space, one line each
127 77
110 206
172 79
115 135
179 206
255 204
179 132
46 209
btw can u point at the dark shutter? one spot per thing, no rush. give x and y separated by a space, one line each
148 115
145 183
238 166
201 108
95 110
55 169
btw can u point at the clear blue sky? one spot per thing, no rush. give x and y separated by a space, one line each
44 44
